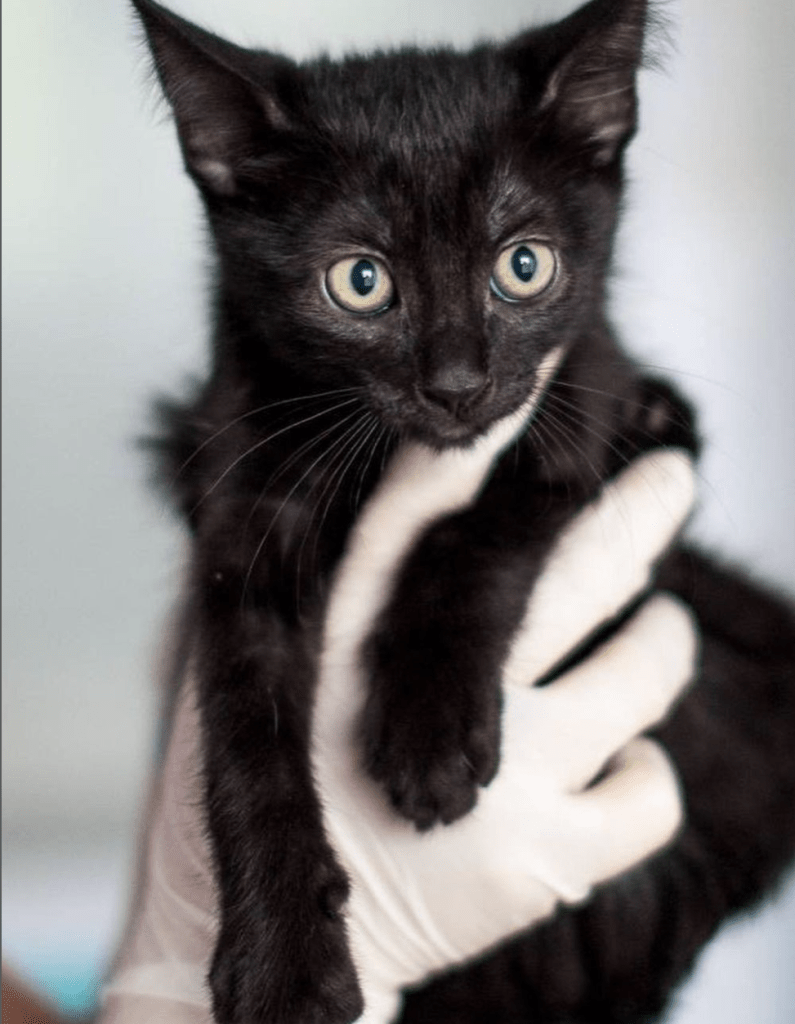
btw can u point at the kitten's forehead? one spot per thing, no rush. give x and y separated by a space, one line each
416 135
425 141
411 101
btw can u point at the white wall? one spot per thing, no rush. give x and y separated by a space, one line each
103 277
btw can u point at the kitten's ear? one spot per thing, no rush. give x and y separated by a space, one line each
584 70
227 100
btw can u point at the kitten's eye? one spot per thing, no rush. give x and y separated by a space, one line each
360 284
523 270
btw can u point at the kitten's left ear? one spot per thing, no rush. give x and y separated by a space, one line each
230 103
583 68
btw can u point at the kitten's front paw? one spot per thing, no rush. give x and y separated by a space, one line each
431 754
292 969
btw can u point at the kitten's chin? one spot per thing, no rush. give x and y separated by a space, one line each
412 420
442 431
440 428
453 433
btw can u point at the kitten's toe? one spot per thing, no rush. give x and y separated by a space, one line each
443 793
432 772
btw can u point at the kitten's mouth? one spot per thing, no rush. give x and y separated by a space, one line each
441 429
455 432
445 429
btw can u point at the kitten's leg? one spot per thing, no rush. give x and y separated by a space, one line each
431 724
281 955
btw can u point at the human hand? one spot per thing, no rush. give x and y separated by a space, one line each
421 902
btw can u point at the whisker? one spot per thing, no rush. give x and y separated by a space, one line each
582 387
283 505
344 459
599 476
263 442
625 459
566 430
292 459
366 466
390 434
603 437
678 372
254 412
673 371
567 409
608 394
338 474
547 437
356 441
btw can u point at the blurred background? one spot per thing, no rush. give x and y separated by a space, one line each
104 278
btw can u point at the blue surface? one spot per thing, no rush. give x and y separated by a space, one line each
64 903
71 983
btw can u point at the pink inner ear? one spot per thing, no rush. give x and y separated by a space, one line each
216 174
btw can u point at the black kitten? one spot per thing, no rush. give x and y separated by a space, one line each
405 244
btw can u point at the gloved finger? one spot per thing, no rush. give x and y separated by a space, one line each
171 931
155 1002
564 844
602 560
631 813
578 722
181 846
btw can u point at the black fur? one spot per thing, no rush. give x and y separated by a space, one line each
433 163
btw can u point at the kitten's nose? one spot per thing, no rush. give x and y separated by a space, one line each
455 387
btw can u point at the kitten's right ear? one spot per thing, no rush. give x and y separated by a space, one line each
227 100
582 70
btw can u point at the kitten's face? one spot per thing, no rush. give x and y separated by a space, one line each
424 228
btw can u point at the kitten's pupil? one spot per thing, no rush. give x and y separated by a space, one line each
363 277
524 263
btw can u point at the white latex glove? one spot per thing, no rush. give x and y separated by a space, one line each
423 901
